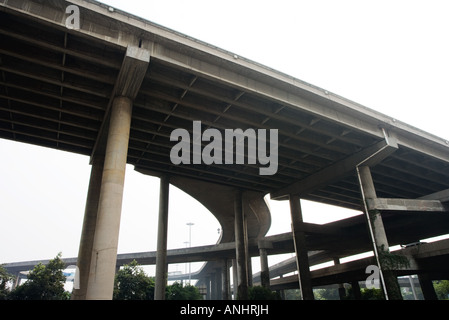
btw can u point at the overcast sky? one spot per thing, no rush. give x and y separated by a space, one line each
390 56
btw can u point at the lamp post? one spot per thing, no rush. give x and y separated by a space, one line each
185 264
190 224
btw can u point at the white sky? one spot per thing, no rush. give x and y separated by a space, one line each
391 56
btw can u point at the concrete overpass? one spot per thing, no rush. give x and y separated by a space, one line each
115 86
427 260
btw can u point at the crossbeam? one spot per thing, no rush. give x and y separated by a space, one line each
338 170
406 205
130 78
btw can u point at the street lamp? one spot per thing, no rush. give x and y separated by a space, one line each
190 224
185 265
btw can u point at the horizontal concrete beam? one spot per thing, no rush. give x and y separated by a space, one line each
128 83
132 72
338 170
355 270
406 205
312 228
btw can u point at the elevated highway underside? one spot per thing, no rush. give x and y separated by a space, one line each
59 87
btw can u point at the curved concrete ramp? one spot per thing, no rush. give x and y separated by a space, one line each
219 200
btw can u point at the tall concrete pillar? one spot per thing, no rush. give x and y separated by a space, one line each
369 191
427 287
249 263
341 287
213 286
249 268
219 284
104 251
208 288
241 252
264 269
356 290
225 280
379 236
88 231
302 258
234 279
162 234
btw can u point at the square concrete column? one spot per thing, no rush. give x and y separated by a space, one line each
225 279
208 288
162 234
219 284
235 278
264 268
302 258
428 290
378 235
213 286
88 231
104 251
240 249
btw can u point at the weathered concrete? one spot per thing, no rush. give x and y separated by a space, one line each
336 171
104 251
406 205
379 236
240 250
225 277
264 269
109 57
162 235
302 258
88 231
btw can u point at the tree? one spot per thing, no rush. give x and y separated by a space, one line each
44 283
372 294
442 289
326 294
261 293
5 277
177 292
131 283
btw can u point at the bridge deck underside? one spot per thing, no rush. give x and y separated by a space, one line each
56 86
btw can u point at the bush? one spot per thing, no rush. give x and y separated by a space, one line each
261 293
177 292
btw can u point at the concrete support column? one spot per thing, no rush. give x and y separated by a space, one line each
369 191
264 269
379 237
356 290
249 263
249 268
427 287
225 280
88 231
219 284
213 287
302 258
235 278
341 287
104 251
241 253
208 293
162 234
